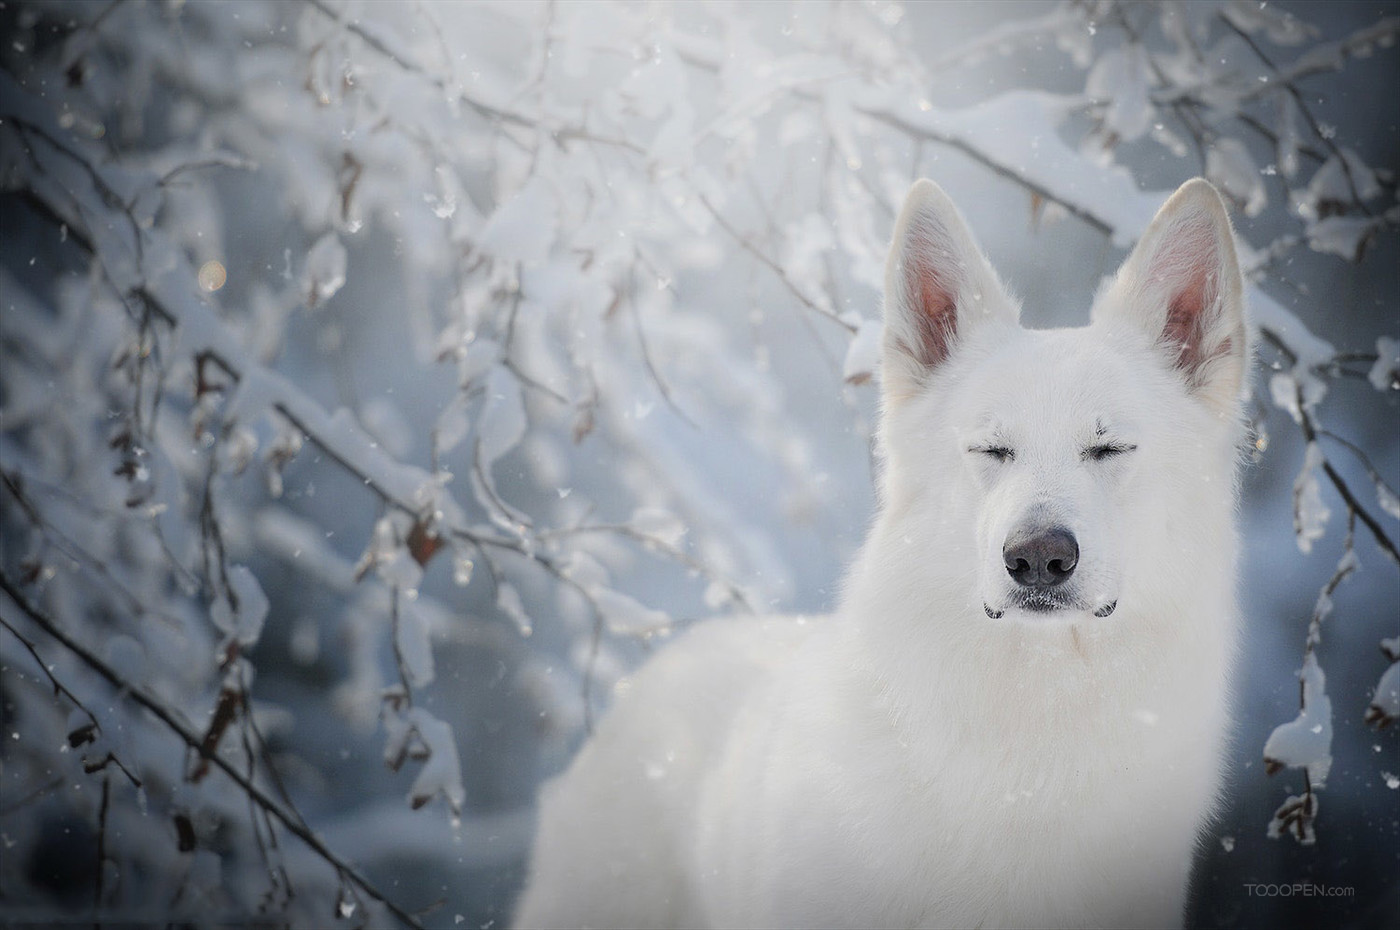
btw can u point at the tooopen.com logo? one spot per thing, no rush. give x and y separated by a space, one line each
1299 890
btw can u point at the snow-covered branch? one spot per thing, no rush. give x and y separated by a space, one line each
291 822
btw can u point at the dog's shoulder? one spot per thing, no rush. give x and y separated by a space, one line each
681 702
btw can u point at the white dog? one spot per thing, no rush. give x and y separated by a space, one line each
1018 715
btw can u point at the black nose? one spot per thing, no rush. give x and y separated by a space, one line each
1039 557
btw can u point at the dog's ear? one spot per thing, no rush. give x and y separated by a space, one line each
1182 284
937 284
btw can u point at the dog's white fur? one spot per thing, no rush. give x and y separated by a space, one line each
943 751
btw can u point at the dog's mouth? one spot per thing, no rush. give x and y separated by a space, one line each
1040 603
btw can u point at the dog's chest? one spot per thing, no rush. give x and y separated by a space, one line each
825 809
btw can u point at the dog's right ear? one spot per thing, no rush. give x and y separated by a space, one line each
937 284
1182 286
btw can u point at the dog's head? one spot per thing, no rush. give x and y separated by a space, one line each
1066 470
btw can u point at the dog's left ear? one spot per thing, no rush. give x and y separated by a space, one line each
1182 284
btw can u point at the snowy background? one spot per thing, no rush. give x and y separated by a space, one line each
380 381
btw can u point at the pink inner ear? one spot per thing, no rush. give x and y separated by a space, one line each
1184 322
1187 265
934 305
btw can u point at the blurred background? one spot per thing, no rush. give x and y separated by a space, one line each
381 382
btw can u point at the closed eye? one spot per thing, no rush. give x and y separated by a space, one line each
1108 450
1000 453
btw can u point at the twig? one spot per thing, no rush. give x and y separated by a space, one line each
1338 482
773 266
394 624
530 381
55 782
101 849
1361 456
200 165
58 686
590 667
99 183
1253 122
636 315
251 734
12 482
1346 565
652 542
